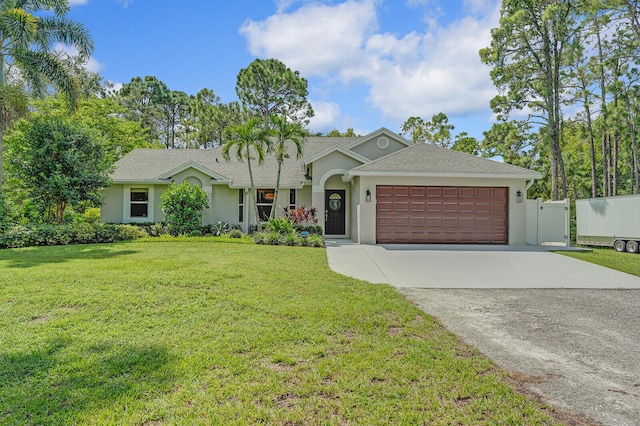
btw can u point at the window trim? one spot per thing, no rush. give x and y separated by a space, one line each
126 204
241 204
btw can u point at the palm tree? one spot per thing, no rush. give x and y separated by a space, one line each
284 131
247 140
26 39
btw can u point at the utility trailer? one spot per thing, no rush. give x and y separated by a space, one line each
609 221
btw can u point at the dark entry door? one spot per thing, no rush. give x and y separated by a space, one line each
334 213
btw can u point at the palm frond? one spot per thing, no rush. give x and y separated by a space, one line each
58 29
18 26
38 64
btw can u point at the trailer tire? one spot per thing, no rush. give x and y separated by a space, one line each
632 246
620 246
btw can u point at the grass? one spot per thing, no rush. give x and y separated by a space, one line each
625 262
201 332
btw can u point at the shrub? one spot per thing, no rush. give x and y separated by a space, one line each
76 233
280 226
235 233
311 229
259 237
292 239
92 215
158 229
182 205
273 238
302 215
314 240
220 228
195 233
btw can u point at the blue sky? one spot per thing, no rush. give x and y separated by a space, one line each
369 63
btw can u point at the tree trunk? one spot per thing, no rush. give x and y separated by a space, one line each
592 145
635 179
1 154
277 190
614 160
603 93
254 199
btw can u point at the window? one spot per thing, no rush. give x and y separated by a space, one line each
292 199
265 202
240 205
139 202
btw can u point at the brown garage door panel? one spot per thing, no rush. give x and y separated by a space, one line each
441 215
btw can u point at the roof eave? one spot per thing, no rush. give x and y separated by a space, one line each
532 175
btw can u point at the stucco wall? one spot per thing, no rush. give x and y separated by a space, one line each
111 209
367 211
370 149
224 206
327 166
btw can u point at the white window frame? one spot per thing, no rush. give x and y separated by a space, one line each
126 204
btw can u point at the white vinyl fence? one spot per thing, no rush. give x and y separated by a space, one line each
548 222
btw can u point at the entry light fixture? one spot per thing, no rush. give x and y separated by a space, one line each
519 196
368 196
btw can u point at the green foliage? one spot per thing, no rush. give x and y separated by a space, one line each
219 228
285 133
311 229
75 233
335 133
207 119
249 141
438 132
182 206
314 240
59 161
4 212
92 215
280 225
158 109
267 87
235 233
120 134
158 229
282 237
195 233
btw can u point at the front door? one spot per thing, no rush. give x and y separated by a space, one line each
334 213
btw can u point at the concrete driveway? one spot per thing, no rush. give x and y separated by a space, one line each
443 266
566 330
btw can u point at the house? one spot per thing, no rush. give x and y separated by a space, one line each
380 188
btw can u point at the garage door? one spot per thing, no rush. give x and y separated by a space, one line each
441 215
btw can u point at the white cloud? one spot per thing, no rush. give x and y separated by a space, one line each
421 72
91 64
315 39
77 2
326 114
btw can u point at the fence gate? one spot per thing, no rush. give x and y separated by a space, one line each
548 222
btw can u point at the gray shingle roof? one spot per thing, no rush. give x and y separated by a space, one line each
427 159
155 165
152 164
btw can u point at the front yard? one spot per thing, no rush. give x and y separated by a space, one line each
201 332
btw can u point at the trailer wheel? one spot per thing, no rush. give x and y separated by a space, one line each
620 245
632 246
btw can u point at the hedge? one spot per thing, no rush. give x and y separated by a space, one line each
77 233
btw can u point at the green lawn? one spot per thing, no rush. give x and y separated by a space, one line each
200 332
625 262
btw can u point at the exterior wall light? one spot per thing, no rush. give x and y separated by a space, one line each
368 196
519 196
